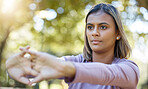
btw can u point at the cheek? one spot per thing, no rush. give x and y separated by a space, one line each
112 37
87 34
109 36
88 37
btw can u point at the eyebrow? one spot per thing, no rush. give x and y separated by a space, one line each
99 23
103 23
89 24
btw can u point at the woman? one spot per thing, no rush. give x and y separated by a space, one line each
104 63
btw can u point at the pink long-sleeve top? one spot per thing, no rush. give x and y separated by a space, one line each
121 74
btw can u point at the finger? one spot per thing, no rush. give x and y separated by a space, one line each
32 58
32 65
24 80
22 53
37 79
34 73
32 53
36 68
24 48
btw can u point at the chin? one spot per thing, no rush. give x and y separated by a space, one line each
97 50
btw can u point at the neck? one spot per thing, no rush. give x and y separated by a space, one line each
106 57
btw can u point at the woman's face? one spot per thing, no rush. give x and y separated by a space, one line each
101 32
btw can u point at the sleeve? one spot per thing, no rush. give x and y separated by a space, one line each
72 58
123 75
78 58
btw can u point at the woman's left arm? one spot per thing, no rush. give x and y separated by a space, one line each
124 74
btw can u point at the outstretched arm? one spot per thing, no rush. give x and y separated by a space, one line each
124 74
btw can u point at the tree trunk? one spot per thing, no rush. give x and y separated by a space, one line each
2 46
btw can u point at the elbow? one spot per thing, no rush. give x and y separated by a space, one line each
131 77
132 82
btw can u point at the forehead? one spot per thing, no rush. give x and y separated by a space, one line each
100 17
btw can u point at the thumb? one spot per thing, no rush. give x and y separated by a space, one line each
37 79
24 80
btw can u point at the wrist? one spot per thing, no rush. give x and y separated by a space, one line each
69 69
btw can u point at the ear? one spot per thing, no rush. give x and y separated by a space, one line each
118 35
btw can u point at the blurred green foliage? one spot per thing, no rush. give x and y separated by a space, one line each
22 22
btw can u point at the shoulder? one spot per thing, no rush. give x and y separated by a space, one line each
77 58
125 61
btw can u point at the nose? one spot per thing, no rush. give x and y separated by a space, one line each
95 33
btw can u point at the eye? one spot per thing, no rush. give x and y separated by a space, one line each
103 27
90 27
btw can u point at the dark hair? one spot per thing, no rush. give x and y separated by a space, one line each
122 48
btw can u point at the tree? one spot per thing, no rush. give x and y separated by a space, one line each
14 15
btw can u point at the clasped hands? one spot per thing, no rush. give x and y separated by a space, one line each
40 66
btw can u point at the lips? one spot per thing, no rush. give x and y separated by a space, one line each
95 42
